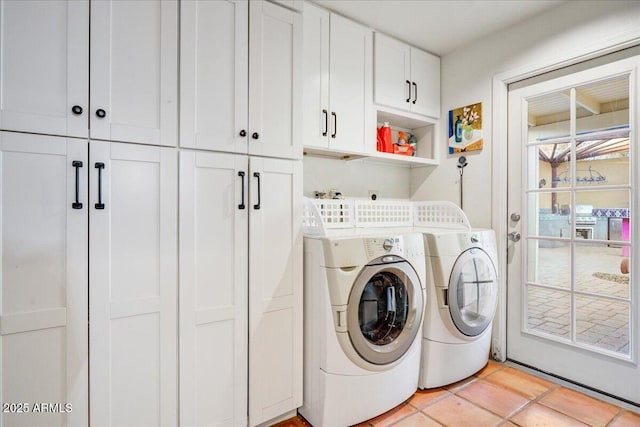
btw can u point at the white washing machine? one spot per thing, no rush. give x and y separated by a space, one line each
363 311
462 296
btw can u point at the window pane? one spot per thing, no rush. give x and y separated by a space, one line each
548 311
603 323
598 270
603 215
543 220
549 263
602 105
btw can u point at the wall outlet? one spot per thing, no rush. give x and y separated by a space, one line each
373 194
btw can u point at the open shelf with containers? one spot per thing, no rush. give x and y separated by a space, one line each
425 130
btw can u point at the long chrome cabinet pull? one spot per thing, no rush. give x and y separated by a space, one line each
100 167
335 124
77 164
326 123
241 175
409 88
257 206
415 92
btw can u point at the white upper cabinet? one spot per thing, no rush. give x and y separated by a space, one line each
134 71
406 78
214 82
275 46
44 74
337 82
222 56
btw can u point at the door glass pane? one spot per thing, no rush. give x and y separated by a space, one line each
602 215
383 308
543 220
548 263
548 311
603 323
602 105
599 270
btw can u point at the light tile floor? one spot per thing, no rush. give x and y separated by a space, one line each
499 395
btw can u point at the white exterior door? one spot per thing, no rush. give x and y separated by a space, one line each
349 85
573 311
134 71
44 67
275 288
214 57
133 284
392 73
275 65
425 83
43 316
214 209
315 84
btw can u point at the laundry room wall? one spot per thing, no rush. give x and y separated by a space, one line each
356 178
572 29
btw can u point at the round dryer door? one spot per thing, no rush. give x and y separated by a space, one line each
473 292
384 311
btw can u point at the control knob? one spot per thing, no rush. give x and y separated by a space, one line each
387 245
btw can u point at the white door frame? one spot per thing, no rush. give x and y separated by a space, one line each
499 160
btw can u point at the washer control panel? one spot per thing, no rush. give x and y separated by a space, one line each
380 246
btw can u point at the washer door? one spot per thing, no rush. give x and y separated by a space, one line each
473 292
384 311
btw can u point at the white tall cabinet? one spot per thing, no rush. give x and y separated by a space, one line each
47 46
241 212
337 82
43 282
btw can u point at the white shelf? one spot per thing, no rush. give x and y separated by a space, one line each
401 159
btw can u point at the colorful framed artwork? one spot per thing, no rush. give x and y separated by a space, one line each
465 129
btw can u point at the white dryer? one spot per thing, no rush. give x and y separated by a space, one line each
363 312
462 296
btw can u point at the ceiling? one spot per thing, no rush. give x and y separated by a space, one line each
439 26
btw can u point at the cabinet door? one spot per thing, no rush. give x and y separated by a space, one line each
133 274
275 288
392 70
44 66
43 315
214 56
350 69
315 77
134 71
213 289
425 73
275 60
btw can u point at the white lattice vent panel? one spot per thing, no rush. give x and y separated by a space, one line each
384 213
440 215
322 214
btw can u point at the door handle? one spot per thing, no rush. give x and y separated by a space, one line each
409 88
100 167
514 236
326 123
415 92
257 205
515 217
77 164
241 175
335 124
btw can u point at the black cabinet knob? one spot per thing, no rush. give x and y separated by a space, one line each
243 132
101 113
255 135
76 109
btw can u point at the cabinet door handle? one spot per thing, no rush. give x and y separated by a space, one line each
335 124
257 206
255 135
243 133
101 113
409 89
326 122
415 92
241 175
100 167
76 109
77 164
